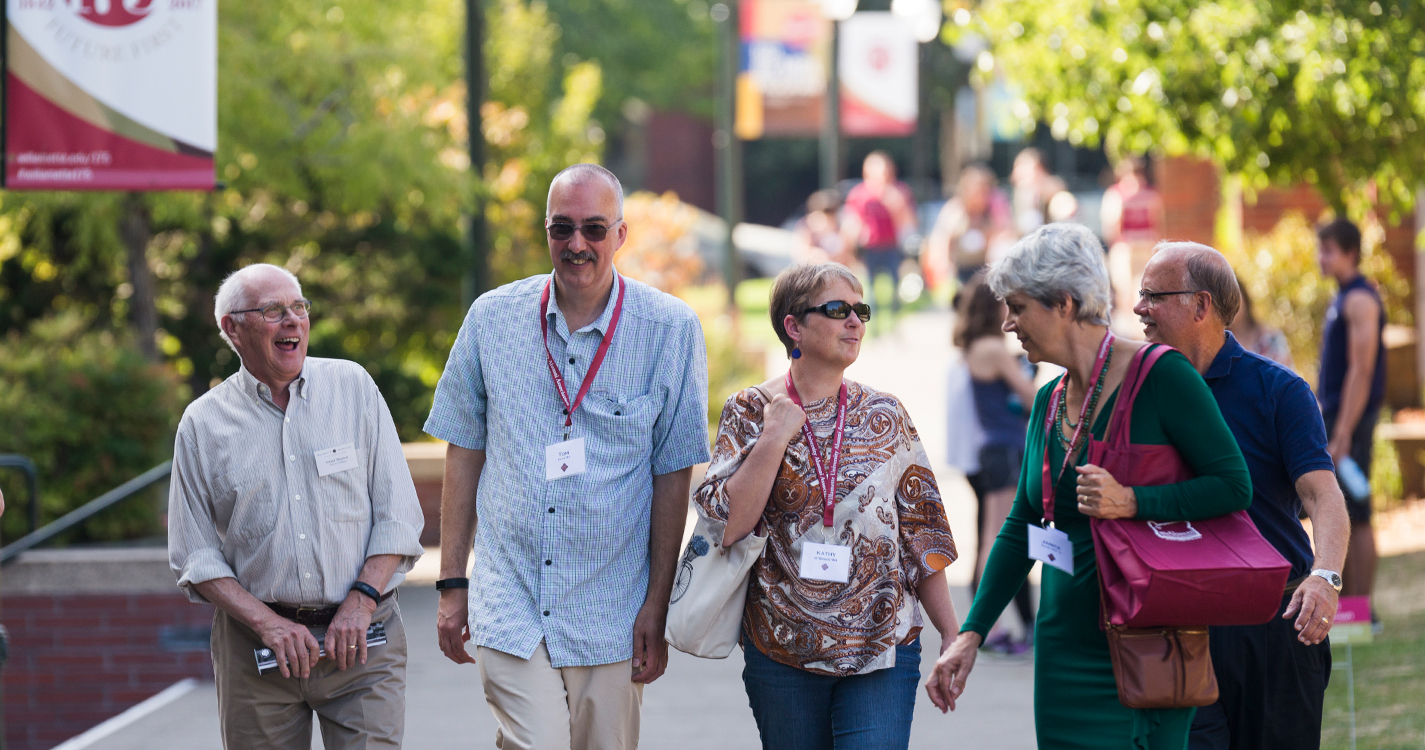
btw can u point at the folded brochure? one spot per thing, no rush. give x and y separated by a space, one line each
267 658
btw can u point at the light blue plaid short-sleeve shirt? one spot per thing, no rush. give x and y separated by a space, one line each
566 562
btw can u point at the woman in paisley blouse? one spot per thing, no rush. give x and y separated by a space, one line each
830 664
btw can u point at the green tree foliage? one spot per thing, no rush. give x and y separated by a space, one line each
1324 92
659 52
92 413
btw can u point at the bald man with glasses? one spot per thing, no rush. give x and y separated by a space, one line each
575 405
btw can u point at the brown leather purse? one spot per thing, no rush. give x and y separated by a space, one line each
1162 667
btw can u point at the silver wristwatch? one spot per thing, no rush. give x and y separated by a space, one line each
1331 576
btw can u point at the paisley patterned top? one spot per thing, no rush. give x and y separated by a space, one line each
888 510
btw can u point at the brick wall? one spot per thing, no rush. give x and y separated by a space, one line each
78 659
1192 193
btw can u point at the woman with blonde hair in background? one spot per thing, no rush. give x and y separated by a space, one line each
834 474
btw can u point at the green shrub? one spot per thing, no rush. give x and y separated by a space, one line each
93 414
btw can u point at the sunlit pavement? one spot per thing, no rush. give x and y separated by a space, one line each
700 703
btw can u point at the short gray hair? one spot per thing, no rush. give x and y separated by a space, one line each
235 294
1053 262
1207 270
582 172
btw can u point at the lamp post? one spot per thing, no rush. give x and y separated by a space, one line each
727 147
476 278
925 17
836 11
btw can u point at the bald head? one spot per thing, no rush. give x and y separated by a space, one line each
579 175
1201 268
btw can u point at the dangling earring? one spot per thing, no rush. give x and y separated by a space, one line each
796 352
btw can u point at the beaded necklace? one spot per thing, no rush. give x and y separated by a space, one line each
1062 417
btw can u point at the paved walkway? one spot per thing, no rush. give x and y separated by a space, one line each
700 703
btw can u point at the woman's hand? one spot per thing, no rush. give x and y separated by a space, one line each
781 419
947 680
1101 496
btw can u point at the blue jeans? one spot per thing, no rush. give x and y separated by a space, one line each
800 710
883 260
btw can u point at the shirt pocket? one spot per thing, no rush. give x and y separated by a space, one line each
621 428
245 496
344 495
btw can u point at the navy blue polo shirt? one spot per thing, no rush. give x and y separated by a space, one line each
1273 414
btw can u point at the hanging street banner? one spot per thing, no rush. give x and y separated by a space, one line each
110 94
786 46
878 67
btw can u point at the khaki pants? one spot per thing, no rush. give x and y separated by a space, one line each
363 707
540 707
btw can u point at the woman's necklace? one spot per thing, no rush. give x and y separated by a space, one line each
1062 417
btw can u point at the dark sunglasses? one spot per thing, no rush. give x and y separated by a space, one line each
839 309
563 230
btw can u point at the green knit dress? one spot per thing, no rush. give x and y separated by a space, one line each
1075 697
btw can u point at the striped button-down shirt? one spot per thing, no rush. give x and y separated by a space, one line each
247 500
566 562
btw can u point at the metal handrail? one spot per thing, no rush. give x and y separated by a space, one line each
84 512
32 478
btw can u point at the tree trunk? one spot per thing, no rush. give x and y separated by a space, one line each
136 233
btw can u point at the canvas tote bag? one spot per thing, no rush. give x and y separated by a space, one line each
1215 571
710 590
705 612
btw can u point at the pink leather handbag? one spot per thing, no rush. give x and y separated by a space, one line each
1214 571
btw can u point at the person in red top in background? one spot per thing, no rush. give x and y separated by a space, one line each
1132 215
878 213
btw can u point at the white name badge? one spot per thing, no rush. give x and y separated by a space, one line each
332 460
825 562
1051 547
564 459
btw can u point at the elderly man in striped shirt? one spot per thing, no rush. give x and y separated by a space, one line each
291 509
575 405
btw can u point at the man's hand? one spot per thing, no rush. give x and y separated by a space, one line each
1101 496
650 650
296 649
952 669
1316 602
346 635
452 625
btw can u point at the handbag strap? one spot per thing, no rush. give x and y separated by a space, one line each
1118 424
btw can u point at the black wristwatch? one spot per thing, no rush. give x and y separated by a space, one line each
452 583
365 588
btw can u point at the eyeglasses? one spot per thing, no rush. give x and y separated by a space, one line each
563 230
840 309
1153 298
274 312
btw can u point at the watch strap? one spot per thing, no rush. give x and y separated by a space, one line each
452 583
368 590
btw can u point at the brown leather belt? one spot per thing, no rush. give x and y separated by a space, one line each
312 617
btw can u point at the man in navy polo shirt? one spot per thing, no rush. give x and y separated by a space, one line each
1271 678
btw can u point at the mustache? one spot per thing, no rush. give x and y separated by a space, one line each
570 256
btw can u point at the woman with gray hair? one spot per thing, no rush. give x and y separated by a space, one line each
1056 288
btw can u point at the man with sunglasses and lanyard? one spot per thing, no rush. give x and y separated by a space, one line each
291 509
574 405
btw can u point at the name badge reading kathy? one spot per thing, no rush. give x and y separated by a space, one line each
332 460
1051 547
825 562
564 459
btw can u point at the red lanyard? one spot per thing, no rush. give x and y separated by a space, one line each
1084 418
603 349
825 475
